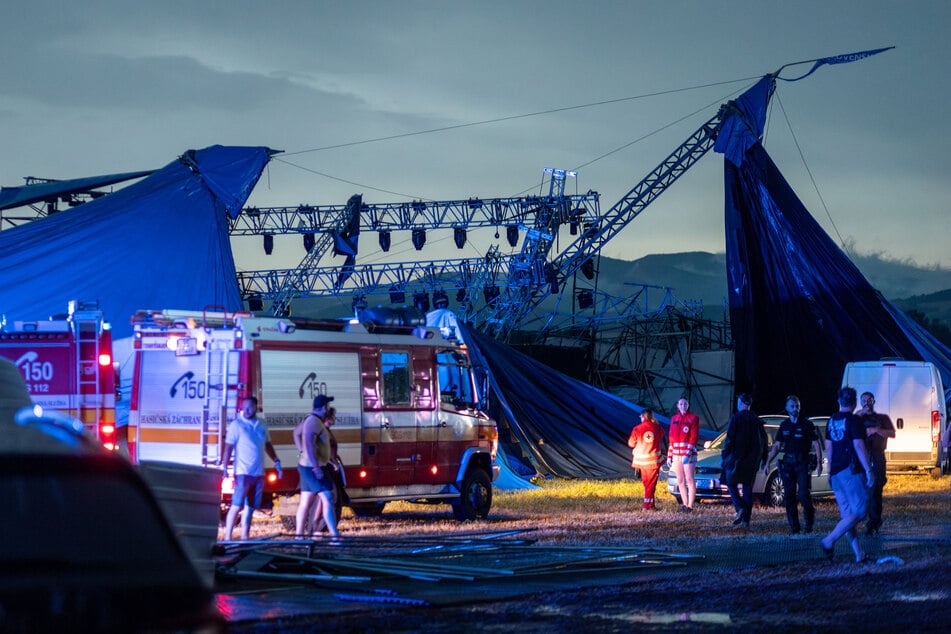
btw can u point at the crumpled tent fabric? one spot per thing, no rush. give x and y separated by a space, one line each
159 243
742 125
568 428
799 308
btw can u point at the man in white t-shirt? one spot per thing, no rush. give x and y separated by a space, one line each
248 439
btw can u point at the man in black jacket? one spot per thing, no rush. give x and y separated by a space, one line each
743 452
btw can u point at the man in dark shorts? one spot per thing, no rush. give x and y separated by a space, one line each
316 480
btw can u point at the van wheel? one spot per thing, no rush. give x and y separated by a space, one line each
368 509
774 494
476 497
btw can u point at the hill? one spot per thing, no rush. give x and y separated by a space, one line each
698 276
701 276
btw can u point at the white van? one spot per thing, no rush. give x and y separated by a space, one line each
912 395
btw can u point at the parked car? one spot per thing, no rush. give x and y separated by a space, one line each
768 488
86 547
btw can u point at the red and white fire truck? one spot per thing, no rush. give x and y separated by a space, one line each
67 364
408 424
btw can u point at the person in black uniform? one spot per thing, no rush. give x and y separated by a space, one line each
795 437
879 429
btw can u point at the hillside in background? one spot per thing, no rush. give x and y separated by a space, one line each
701 276
697 276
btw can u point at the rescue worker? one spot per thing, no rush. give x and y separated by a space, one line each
646 443
682 452
795 437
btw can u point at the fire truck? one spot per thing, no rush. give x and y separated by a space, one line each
67 364
409 426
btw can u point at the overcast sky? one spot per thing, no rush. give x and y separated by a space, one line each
98 87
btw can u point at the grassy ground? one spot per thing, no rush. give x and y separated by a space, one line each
609 511
761 579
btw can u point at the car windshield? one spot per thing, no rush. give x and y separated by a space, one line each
771 422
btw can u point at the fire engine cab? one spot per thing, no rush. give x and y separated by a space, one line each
408 421
66 361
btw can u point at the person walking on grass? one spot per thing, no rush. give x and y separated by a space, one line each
682 452
878 429
646 442
248 439
795 437
744 450
850 473
316 480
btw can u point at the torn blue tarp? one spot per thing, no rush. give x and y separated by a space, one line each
564 427
743 121
799 308
159 243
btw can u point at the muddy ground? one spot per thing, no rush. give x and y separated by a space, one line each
761 579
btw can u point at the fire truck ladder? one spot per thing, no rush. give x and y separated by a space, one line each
86 323
215 409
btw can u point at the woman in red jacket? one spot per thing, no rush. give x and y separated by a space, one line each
682 454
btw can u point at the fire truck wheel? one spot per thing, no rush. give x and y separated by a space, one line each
369 509
476 498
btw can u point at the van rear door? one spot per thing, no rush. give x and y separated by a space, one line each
908 391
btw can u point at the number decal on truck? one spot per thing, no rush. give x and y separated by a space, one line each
191 389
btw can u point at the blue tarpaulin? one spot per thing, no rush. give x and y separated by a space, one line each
799 308
565 427
159 243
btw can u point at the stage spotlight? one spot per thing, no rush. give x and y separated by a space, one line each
308 242
440 299
359 303
397 296
585 299
419 238
255 304
461 295
491 294
385 241
421 302
459 236
511 234
587 268
268 243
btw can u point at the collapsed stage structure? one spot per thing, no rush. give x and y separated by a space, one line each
799 309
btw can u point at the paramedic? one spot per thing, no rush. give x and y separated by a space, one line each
682 452
646 442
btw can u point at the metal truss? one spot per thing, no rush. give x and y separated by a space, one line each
468 214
